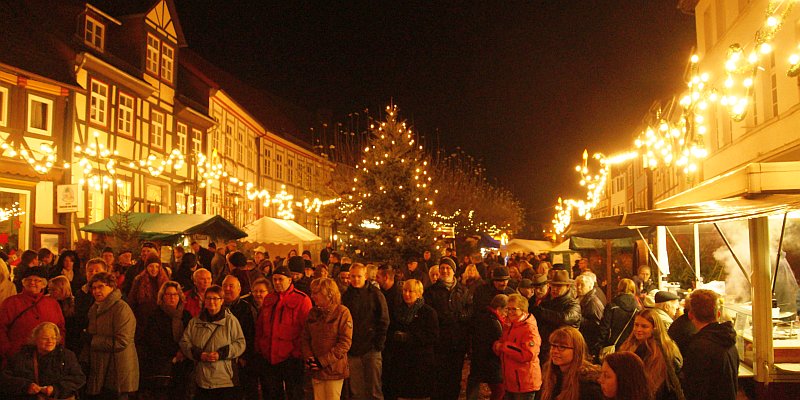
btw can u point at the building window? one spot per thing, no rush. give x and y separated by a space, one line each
197 141
154 196
94 34
228 152
279 164
240 144
3 106
722 22
183 133
290 169
123 190
153 46
98 109
125 114
157 130
167 62
249 154
267 158
40 115
307 176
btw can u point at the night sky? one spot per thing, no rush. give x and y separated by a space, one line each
524 86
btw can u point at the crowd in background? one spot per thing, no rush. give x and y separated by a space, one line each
216 323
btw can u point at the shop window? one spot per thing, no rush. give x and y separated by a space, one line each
40 115
14 231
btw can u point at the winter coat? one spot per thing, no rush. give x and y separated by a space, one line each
615 318
370 318
394 298
58 368
80 320
113 362
554 313
518 349
156 344
280 324
327 336
409 362
221 334
20 313
487 328
681 332
454 316
711 363
245 313
591 315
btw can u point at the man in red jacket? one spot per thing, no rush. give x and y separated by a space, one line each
20 313
278 337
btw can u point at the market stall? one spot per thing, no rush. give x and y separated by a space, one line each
168 228
279 236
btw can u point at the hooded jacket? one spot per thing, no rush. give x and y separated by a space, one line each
519 356
711 363
223 335
280 324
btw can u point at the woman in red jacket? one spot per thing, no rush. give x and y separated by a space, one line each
518 349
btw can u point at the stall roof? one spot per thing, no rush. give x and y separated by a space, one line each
169 227
279 231
733 208
525 245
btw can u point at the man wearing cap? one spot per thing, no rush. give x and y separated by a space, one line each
560 309
667 306
540 291
370 324
297 267
20 313
525 288
450 300
260 257
486 292
278 335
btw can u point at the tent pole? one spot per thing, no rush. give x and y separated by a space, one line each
680 250
696 229
728 244
778 258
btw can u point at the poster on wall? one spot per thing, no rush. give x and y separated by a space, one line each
67 198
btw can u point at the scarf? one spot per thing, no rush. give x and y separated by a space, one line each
176 316
406 314
449 285
205 316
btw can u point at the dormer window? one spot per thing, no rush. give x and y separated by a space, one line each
153 47
95 33
167 62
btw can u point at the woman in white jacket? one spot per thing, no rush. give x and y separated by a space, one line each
213 340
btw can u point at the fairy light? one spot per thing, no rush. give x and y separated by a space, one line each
11 212
42 159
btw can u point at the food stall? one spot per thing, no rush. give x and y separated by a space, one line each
760 204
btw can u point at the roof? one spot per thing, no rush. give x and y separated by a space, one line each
135 8
535 246
279 231
275 114
169 227
36 51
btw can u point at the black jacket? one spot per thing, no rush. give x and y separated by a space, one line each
155 344
370 318
485 293
615 318
454 316
681 331
59 369
554 313
394 298
711 363
246 314
591 315
409 362
485 365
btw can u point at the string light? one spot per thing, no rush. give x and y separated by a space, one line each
42 160
13 211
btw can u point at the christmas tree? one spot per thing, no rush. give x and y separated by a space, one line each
388 209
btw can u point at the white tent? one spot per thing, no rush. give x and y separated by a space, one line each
528 246
280 232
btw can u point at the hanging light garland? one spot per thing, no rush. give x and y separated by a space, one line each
41 160
13 211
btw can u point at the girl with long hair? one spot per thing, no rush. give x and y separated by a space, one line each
623 377
568 373
661 357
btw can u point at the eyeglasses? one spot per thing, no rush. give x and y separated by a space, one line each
213 298
560 347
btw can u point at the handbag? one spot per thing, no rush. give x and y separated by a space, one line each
605 351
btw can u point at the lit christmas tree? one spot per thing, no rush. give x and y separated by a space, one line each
388 209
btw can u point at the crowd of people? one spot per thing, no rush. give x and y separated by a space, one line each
217 323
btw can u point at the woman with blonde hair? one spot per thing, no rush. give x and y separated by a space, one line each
661 357
60 289
568 373
327 336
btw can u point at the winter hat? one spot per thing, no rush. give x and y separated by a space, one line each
449 262
561 278
500 274
525 284
152 260
296 264
308 264
664 296
35 271
283 271
539 280
237 259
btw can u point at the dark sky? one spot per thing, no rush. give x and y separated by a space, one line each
525 86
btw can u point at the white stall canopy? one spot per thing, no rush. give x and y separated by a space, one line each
276 231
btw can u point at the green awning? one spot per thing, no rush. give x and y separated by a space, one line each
169 227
